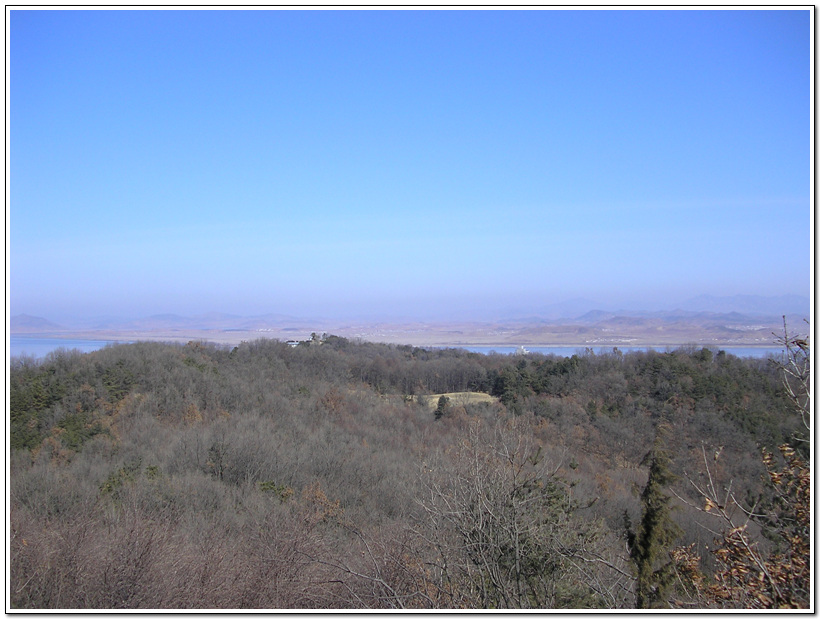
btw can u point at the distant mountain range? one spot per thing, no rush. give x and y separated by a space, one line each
751 305
705 313
23 323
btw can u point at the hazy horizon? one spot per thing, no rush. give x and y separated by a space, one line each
404 164
568 310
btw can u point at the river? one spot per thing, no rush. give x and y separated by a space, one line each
39 347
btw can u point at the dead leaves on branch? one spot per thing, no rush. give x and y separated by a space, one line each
746 577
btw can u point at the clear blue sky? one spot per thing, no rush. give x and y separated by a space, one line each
404 163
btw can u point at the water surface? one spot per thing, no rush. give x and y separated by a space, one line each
39 347
760 352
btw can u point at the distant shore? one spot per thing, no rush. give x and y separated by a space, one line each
439 336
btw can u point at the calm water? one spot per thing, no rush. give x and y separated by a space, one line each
568 351
39 347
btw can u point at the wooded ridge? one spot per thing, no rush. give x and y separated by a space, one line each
340 473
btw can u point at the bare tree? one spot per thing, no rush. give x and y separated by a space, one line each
795 368
747 576
507 533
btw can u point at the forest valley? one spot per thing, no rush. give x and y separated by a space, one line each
341 474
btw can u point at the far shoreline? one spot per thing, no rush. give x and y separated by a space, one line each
417 339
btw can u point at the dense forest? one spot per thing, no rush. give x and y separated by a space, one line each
347 474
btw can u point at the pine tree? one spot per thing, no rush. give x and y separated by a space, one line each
443 403
649 546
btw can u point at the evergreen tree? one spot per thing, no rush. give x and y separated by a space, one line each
443 403
649 546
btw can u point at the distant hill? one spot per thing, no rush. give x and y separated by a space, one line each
749 304
737 320
163 321
571 308
587 311
23 323
626 317
595 316
209 321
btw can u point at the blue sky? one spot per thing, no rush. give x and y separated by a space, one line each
428 164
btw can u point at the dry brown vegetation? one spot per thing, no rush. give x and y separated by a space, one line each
329 476
459 398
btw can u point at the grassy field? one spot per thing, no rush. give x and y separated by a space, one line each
457 398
